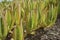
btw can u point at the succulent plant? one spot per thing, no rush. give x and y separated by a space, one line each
26 16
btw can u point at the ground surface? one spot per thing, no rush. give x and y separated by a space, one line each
49 34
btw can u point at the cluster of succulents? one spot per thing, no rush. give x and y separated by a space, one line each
26 16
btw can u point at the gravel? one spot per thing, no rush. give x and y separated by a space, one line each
52 33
